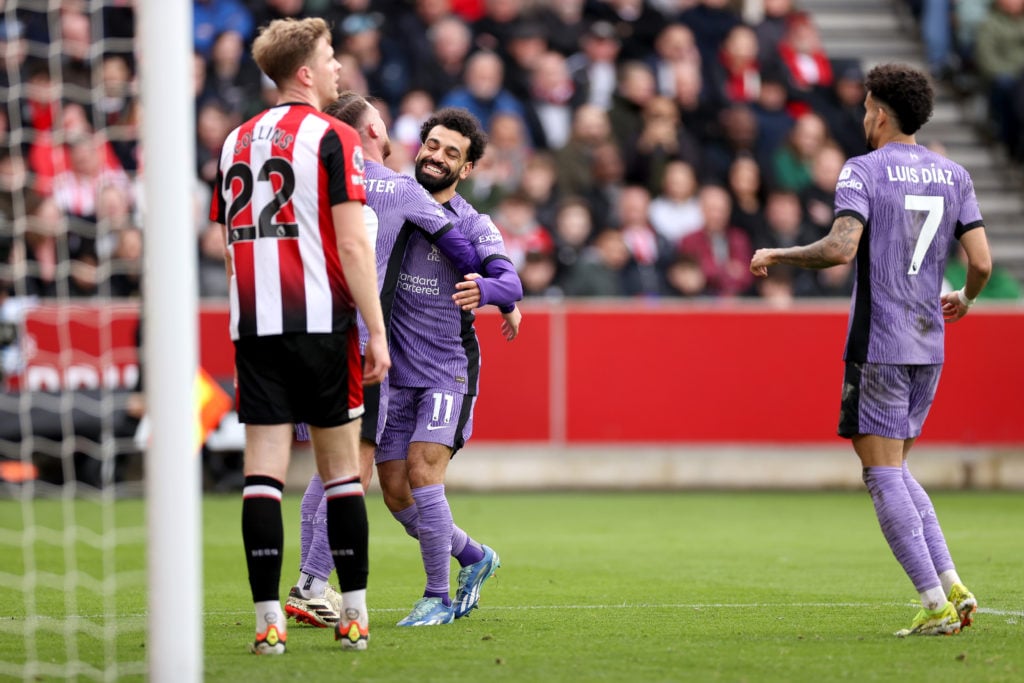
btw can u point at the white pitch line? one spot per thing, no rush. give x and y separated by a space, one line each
527 608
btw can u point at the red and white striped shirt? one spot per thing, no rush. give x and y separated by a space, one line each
280 173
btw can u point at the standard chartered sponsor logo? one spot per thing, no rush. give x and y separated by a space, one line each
418 284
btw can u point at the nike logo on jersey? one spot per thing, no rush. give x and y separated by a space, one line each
431 428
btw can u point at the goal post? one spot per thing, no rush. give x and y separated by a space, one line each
170 346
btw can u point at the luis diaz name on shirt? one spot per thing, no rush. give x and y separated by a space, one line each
909 174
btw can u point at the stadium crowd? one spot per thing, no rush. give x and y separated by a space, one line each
637 147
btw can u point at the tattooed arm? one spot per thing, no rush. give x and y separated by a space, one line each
838 246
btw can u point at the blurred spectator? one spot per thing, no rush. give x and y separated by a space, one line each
77 55
967 16
266 11
711 21
697 110
566 26
213 280
774 121
934 20
50 154
636 23
351 78
210 18
13 51
772 27
412 25
118 110
685 277
590 128
818 198
845 111
415 108
527 42
792 162
540 183
508 148
232 77
440 71
1000 58
608 174
539 274
126 264
737 136
516 219
635 88
83 280
573 229
482 93
602 268
784 219
722 249
593 67
650 251
551 102
809 68
470 10
675 211
381 61
736 73
674 46
745 188
778 290
213 125
501 18
41 253
77 189
662 138
489 182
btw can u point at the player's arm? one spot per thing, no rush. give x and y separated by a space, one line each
457 249
837 247
979 269
500 286
359 266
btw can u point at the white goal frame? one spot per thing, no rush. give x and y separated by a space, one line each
174 644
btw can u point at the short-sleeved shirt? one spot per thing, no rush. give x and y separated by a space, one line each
913 202
433 342
279 175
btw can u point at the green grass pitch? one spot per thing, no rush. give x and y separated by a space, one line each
594 587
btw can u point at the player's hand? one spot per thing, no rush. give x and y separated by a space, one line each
760 262
467 295
378 360
952 308
510 324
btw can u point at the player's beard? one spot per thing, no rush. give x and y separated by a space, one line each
431 183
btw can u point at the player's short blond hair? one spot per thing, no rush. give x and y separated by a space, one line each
284 45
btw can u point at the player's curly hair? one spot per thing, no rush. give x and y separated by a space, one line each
905 91
462 122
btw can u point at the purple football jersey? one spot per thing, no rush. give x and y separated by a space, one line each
913 203
433 342
399 207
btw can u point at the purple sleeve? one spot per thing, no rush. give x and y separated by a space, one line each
501 286
459 250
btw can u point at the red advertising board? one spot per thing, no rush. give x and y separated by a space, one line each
629 372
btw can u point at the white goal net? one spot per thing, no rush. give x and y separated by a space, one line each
78 522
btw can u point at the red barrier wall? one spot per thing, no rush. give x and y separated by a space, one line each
638 372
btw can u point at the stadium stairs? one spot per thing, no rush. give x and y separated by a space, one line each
879 31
